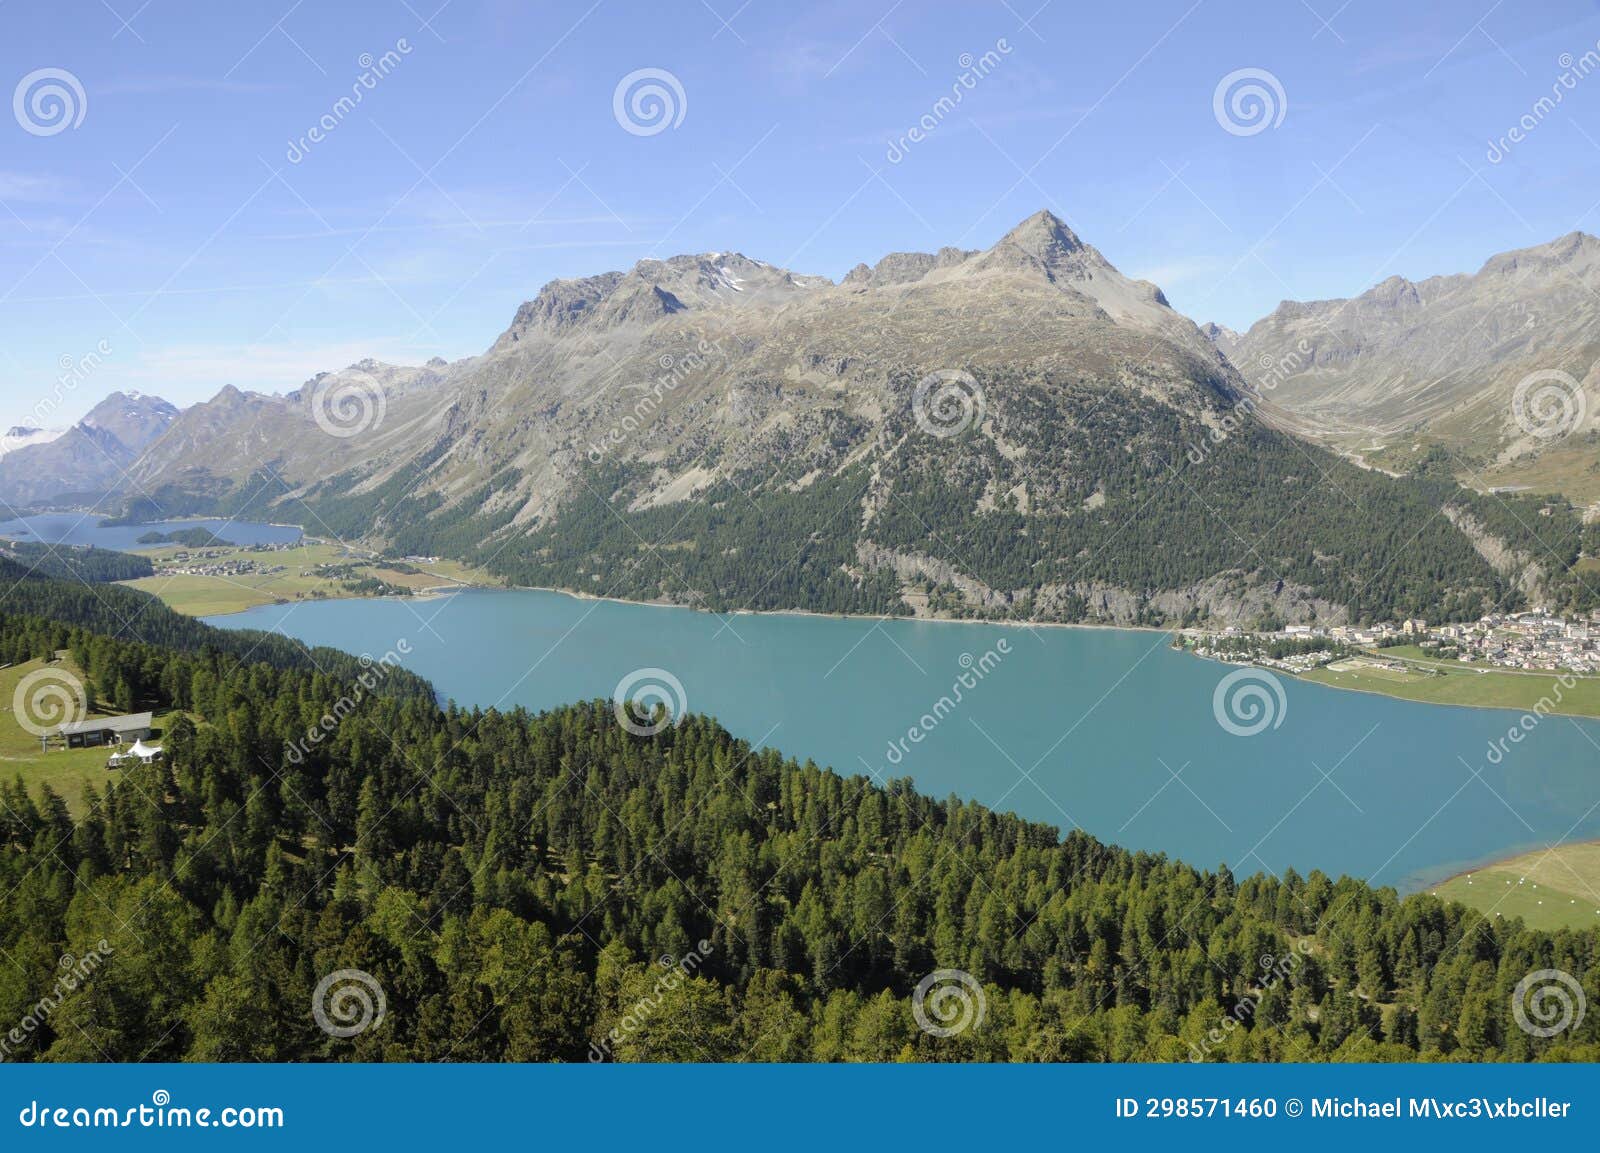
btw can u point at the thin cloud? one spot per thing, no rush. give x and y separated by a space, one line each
22 186
150 85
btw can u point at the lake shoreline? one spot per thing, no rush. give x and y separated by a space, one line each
520 652
1185 649
576 595
1574 856
813 613
438 591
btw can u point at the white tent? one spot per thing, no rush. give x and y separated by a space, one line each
139 752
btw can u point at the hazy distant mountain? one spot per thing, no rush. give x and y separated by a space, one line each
1020 431
132 418
1407 365
89 459
23 436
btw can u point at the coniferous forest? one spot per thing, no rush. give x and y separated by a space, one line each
554 887
1136 497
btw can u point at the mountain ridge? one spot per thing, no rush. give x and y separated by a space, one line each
1409 366
1018 432
89 459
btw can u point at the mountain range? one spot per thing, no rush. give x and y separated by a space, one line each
86 461
1016 432
1408 367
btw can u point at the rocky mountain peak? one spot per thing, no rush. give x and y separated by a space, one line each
131 417
1577 250
1224 338
652 289
905 267
1044 236
1044 245
91 456
1394 292
1408 365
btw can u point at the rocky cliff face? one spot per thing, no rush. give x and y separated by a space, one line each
1230 598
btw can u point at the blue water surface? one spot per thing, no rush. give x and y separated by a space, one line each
1109 730
87 529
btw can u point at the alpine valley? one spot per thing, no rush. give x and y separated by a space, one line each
1021 432
762 645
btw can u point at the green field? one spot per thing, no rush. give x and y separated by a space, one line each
67 771
1566 468
1452 683
196 595
1548 889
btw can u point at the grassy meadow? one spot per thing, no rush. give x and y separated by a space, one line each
1555 888
208 595
67 771
1452 683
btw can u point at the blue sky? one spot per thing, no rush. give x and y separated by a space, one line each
173 224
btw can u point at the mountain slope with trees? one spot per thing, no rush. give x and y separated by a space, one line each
510 881
1018 432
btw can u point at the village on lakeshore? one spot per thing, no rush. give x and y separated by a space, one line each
226 560
1532 641
216 577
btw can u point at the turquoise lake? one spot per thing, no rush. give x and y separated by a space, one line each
86 529
1109 730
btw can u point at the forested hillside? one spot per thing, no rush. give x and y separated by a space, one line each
511 883
67 562
129 614
1016 433
1060 507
